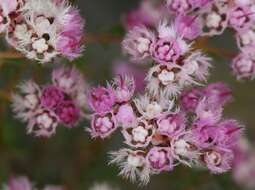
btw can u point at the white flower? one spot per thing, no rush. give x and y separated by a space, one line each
133 165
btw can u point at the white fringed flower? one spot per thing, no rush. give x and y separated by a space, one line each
27 102
41 25
151 108
133 165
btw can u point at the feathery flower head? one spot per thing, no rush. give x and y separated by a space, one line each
169 45
124 88
160 159
45 108
45 29
137 43
51 97
101 99
8 9
243 66
102 125
68 113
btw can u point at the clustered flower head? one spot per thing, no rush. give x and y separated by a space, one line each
160 135
213 17
23 183
43 108
175 63
172 122
42 29
168 125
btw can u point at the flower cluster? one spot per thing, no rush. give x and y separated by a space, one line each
23 183
44 108
176 64
161 135
42 29
167 125
214 16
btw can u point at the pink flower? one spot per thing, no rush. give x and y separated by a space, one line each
219 161
243 67
220 91
205 137
172 124
246 39
69 80
200 3
19 183
160 159
51 97
124 88
215 18
56 26
68 113
137 43
69 42
240 17
224 135
190 27
69 45
179 6
244 164
102 125
190 99
139 135
229 133
166 51
101 99
169 45
7 7
28 101
43 123
208 112
126 115
131 69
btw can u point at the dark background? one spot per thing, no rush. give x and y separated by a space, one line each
71 157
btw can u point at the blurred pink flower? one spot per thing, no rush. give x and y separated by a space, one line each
51 97
68 113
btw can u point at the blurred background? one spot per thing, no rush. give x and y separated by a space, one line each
70 157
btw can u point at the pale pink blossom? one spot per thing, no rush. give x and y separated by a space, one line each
101 99
243 66
137 43
102 125
51 97
126 115
124 88
160 159
68 113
